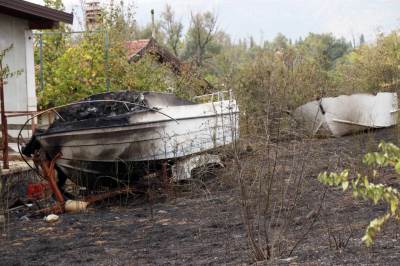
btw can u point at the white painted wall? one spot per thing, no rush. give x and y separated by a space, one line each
20 94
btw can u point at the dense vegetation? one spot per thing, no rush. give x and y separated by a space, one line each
75 65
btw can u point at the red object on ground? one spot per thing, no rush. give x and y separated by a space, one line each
37 191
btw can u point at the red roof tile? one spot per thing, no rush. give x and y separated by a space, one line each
136 46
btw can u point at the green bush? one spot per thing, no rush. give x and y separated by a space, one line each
362 186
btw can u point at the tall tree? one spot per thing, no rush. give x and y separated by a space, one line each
362 39
280 42
203 27
325 48
172 28
146 32
373 67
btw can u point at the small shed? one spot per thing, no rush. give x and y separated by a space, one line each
17 20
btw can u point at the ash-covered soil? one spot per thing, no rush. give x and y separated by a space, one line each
201 222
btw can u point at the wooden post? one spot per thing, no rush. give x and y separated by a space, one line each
3 124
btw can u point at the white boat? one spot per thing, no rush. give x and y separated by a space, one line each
124 141
348 114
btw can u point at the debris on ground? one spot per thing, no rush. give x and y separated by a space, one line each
51 218
75 205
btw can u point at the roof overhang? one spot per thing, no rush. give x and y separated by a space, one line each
39 17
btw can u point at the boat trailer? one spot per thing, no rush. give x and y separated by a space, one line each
48 172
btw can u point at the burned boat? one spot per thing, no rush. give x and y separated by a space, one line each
348 114
124 135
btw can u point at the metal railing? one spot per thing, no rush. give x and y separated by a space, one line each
4 131
214 97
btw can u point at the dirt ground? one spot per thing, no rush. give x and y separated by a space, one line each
200 223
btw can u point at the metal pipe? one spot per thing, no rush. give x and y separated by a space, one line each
33 126
20 112
53 183
49 172
153 27
18 115
41 61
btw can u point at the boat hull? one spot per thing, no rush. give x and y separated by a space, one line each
143 142
345 114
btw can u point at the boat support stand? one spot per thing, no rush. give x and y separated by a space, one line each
49 173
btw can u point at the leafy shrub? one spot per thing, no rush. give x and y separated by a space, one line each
362 187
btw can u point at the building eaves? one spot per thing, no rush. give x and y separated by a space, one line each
34 12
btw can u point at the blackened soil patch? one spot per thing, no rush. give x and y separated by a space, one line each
202 223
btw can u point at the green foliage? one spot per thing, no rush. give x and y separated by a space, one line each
53 47
199 43
361 186
149 75
81 71
373 67
78 72
325 48
280 42
274 78
172 29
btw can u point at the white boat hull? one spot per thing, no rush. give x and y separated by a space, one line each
147 137
344 115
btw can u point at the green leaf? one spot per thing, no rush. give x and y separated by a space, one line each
397 167
345 185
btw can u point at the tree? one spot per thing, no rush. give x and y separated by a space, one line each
172 28
280 42
200 35
252 43
371 67
146 32
76 73
325 48
362 39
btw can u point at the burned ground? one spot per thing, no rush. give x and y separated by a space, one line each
201 222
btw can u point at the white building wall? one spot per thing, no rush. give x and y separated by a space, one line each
20 94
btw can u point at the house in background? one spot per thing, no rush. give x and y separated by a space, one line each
17 20
136 49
